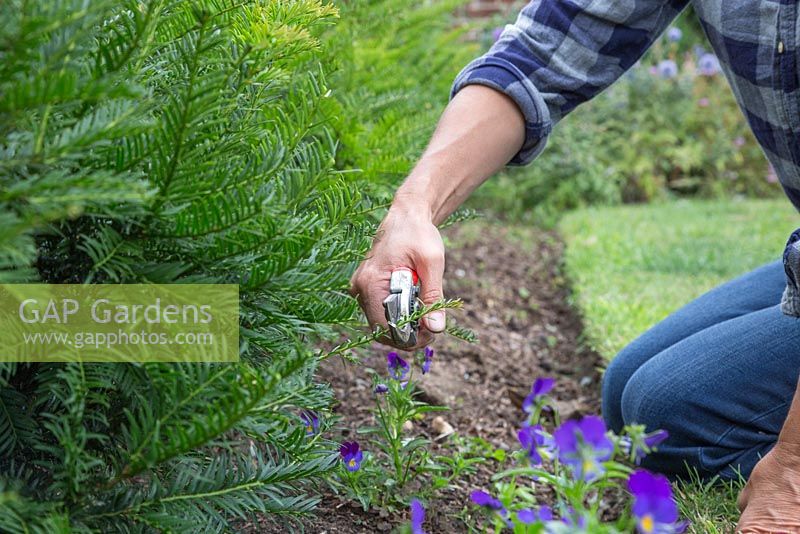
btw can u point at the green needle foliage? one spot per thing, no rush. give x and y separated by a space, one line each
159 141
204 141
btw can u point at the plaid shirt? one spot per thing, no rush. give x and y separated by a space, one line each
560 53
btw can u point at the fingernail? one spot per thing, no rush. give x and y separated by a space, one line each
435 321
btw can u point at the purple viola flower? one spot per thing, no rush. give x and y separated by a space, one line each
529 516
426 364
531 438
380 388
398 367
540 387
703 102
667 69
496 33
654 508
484 500
584 445
654 439
351 454
674 34
417 517
650 442
310 421
708 64
739 142
481 498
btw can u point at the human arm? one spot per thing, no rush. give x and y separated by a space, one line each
557 55
480 130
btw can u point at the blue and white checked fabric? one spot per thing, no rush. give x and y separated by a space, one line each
560 53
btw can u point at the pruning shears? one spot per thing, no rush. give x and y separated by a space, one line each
402 302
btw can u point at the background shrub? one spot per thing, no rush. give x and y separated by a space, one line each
208 141
172 142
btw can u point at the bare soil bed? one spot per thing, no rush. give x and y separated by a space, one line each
516 300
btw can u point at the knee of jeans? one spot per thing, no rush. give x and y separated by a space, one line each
643 402
615 378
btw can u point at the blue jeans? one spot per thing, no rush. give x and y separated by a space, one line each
718 374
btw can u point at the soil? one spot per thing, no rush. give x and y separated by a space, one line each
516 300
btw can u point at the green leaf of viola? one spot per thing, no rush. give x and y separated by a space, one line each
414 444
422 409
499 455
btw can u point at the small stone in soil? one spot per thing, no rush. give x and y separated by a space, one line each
441 427
361 383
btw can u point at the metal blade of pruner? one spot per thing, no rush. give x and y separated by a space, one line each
401 303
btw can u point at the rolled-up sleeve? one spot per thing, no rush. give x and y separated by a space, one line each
560 53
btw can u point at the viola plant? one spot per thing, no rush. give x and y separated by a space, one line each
579 463
396 409
427 361
397 454
398 367
352 476
639 444
654 509
351 454
583 446
537 399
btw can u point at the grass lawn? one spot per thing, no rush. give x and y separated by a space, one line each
631 266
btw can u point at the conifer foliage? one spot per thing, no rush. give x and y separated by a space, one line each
170 141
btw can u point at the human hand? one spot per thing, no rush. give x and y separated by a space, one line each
770 502
404 239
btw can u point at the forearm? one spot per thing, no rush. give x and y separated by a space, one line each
479 132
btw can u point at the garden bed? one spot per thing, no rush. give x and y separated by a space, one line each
515 299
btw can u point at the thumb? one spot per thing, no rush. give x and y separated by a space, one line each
431 274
